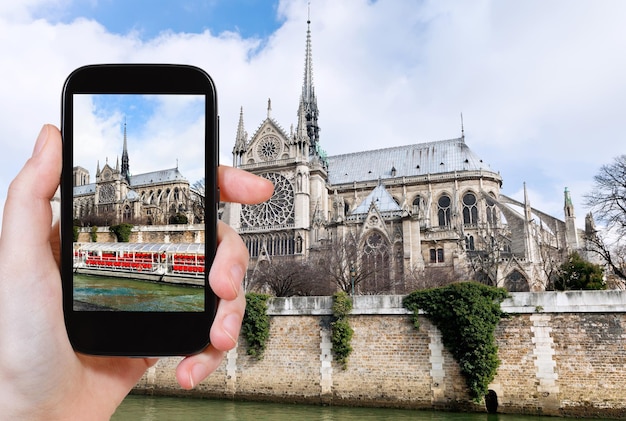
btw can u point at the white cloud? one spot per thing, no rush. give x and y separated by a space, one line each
540 84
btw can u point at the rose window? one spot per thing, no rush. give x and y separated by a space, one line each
278 210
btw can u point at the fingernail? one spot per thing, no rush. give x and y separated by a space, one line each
198 373
231 325
41 140
236 276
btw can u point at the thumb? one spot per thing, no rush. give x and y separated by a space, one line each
27 211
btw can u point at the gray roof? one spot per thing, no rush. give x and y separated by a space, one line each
163 176
410 160
84 189
381 198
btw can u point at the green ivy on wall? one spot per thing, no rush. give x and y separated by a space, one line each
122 232
256 324
467 314
93 234
341 332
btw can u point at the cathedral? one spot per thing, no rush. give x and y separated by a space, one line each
414 212
153 198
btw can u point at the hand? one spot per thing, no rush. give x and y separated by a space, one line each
41 377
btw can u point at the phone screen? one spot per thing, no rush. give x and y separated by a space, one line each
139 202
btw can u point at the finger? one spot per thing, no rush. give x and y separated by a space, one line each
227 323
243 187
193 369
27 205
230 264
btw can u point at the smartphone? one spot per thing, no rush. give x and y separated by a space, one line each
139 201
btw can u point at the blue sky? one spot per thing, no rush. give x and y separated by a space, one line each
156 126
540 84
250 18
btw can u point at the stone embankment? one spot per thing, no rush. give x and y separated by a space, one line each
562 353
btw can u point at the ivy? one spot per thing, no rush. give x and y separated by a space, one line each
341 332
467 314
122 232
93 234
256 324
75 232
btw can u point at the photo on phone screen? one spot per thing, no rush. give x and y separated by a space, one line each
138 202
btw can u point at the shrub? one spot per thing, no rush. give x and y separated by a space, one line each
122 232
467 314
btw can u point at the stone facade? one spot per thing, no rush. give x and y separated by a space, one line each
116 196
559 356
420 211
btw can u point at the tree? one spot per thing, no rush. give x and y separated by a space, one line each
486 255
285 278
178 219
576 274
608 202
341 262
122 232
198 195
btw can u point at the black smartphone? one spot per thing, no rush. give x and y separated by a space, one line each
139 200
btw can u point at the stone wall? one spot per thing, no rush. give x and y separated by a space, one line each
561 354
187 233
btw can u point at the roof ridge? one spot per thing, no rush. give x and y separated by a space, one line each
397 147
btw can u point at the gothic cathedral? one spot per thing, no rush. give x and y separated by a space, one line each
413 213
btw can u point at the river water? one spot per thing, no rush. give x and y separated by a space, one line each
150 408
122 294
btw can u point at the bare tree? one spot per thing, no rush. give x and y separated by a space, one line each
608 201
343 262
284 278
485 256
430 277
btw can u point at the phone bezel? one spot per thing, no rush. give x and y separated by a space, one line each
139 334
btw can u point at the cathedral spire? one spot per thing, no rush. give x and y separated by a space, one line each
307 110
125 168
240 142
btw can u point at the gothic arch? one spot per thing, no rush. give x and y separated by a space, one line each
470 208
376 262
515 281
444 210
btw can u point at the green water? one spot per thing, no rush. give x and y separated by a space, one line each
122 294
148 408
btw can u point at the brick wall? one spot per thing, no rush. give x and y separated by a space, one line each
561 354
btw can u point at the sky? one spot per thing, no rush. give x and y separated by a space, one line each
540 84
162 129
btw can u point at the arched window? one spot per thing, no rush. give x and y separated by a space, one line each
176 194
443 212
492 216
127 213
375 264
418 204
516 282
469 242
470 210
